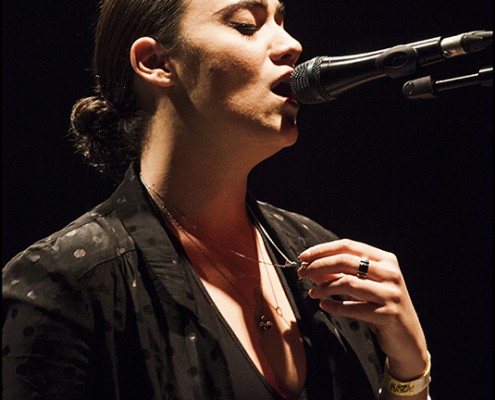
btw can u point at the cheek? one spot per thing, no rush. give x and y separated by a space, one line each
225 66
223 76
230 76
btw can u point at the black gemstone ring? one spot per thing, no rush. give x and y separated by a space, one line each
364 264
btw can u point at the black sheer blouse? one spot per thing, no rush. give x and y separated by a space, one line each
107 308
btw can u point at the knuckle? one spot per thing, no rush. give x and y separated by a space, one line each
346 244
395 277
396 297
391 257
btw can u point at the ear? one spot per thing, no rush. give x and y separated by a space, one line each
151 62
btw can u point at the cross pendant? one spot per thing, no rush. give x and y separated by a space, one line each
264 324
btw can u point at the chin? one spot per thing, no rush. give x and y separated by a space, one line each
289 130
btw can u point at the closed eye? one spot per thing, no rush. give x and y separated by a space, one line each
244 28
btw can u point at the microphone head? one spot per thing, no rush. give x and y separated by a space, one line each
305 83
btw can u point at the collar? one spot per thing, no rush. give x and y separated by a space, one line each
143 222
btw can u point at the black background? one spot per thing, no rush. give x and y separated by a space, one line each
412 177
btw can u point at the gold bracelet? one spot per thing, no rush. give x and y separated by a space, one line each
410 388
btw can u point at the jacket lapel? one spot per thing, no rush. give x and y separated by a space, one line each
142 220
349 332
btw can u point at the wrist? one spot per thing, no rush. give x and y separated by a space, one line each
408 367
406 387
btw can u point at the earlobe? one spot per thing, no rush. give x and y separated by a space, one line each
151 62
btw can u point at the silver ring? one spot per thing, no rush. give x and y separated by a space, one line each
362 271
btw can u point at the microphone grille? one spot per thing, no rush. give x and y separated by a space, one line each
306 84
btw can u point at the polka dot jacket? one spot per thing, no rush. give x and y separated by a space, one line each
102 309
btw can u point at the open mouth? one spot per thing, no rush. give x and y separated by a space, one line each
283 89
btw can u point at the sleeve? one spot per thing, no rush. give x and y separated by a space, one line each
46 331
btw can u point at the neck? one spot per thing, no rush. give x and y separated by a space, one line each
201 171
212 197
238 234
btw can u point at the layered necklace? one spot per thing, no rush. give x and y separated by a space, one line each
263 323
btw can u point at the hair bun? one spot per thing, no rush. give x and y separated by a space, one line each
95 125
92 117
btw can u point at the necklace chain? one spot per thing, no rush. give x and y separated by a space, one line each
264 324
288 263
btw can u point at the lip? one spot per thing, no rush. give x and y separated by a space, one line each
285 80
291 101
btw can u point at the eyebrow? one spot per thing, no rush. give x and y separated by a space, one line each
251 4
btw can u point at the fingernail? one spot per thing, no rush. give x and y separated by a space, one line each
302 269
305 254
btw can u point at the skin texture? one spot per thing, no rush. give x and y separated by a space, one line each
230 86
381 299
216 116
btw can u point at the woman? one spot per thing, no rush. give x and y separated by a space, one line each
182 285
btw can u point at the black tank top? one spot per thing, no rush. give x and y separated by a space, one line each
248 383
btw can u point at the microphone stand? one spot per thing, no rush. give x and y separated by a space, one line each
428 88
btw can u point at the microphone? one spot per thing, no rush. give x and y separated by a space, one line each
323 78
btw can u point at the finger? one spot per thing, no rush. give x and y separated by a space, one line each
332 266
352 287
363 311
341 246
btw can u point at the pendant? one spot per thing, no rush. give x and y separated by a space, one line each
264 324
292 264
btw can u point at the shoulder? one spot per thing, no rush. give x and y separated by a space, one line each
94 239
98 249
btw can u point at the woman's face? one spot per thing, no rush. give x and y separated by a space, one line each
234 65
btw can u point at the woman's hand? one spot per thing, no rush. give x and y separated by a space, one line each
380 298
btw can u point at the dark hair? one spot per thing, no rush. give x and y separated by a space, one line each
108 128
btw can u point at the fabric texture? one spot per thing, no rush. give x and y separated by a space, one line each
104 309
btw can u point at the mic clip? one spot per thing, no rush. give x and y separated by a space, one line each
428 88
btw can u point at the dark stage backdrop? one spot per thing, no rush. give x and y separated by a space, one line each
412 177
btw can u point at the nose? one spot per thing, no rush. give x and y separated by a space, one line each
285 49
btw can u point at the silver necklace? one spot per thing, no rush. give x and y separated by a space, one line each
288 263
263 323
